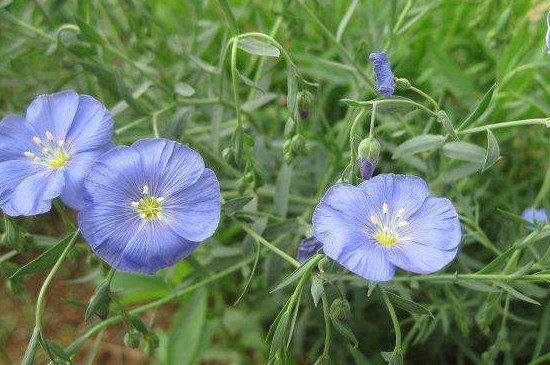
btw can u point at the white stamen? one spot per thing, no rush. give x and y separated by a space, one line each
385 208
400 212
403 224
159 215
143 215
36 159
36 141
49 135
160 200
45 150
28 154
145 190
61 143
373 219
135 204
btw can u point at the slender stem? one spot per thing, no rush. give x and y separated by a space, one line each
269 245
110 275
515 123
393 316
79 342
353 150
234 79
372 120
427 97
328 328
155 126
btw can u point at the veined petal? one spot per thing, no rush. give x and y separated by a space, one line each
35 193
76 170
169 166
116 177
11 174
91 128
53 113
434 225
154 248
405 192
194 212
15 138
418 258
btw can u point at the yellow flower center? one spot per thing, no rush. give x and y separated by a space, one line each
385 238
50 153
387 227
58 159
148 207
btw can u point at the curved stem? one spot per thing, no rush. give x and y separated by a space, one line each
326 314
234 79
427 97
353 159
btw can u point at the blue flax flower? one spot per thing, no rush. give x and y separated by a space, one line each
49 152
307 248
149 205
535 216
385 222
385 81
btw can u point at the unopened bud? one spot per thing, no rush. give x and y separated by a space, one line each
298 144
340 310
132 339
305 99
368 154
402 84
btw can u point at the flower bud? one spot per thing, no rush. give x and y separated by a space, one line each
132 339
305 99
402 84
385 81
298 144
368 154
340 310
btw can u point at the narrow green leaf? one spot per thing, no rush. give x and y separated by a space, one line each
58 351
229 17
465 152
44 261
232 206
493 151
282 189
304 269
418 144
184 341
258 48
251 275
88 32
517 218
408 305
480 108
497 261
183 89
317 289
477 285
517 294
447 124
292 91
345 20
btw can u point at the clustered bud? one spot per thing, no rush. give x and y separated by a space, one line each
305 100
340 310
294 147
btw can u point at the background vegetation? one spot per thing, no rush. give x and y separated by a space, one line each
164 68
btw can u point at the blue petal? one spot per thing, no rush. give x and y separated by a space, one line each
169 166
418 258
91 128
116 177
385 81
435 225
11 174
307 248
398 191
76 170
15 138
154 248
118 236
535 215
35 193
194 211
54 113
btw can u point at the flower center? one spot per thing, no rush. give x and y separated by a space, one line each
148 207
386 226
50 153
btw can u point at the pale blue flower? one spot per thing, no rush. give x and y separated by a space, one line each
49 152
386 222
149 205
535 216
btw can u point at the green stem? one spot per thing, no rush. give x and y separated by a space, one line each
372 120
393 316
427 97
515 123
79 342
269 245
328 328
234 79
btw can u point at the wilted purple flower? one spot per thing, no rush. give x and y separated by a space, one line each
308 247
385 222
149 205
385 81
535 216
49 152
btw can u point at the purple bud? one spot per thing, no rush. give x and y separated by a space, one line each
385 81
308 247
367 169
